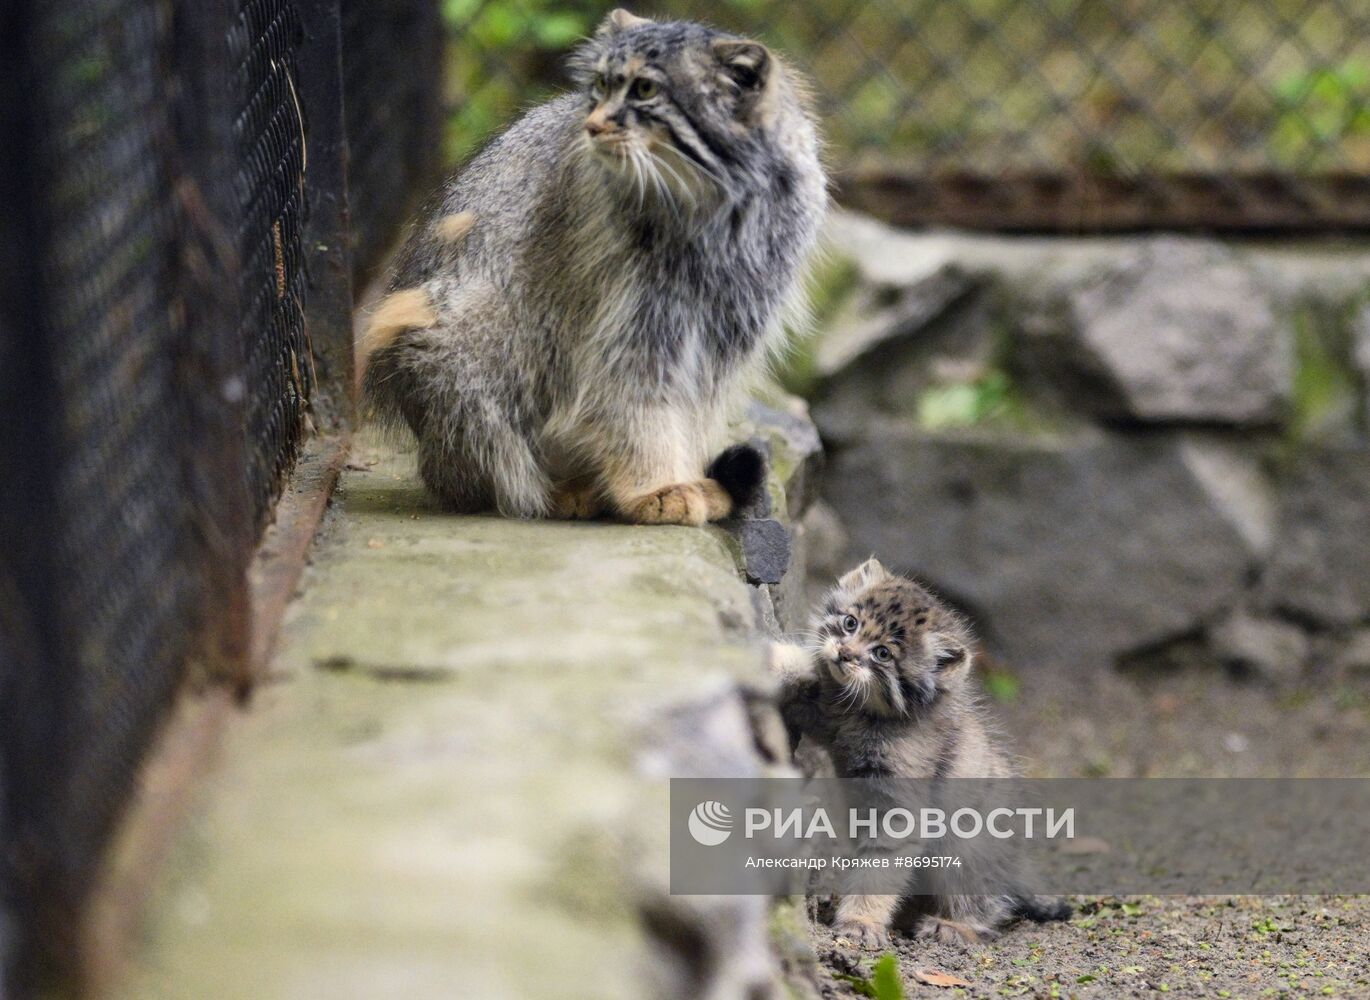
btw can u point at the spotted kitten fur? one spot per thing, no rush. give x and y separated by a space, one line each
567 330
885 687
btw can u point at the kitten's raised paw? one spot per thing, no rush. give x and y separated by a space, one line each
953 932
576 503
863 934
682 503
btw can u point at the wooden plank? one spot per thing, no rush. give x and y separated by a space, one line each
1059 202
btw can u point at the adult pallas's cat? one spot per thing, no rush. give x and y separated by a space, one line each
567 329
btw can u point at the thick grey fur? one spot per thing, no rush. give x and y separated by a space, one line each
598 320
914 715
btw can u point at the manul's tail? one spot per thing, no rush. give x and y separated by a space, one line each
1039 910
741 471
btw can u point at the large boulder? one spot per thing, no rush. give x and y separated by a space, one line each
1171 331
1319 568
1073 549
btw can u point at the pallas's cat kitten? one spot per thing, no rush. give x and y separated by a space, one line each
885 687
567 328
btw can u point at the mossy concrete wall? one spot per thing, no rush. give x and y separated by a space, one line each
454 783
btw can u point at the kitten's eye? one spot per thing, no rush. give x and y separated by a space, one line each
849 623
882 653
598 86
644 89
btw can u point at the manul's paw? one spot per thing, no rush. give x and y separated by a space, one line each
863 934
953 932
682 503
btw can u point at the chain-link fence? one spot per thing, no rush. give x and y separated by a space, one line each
174 313
1024 113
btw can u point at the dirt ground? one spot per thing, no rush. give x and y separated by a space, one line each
1182 722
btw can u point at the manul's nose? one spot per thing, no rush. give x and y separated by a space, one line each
598 125
845 653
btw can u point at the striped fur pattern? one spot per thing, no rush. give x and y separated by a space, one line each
606 277
884 685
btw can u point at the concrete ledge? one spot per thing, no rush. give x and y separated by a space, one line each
454 782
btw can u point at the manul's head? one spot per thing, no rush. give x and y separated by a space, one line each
678 109
889 645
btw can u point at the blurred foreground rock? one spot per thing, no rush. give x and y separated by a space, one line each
456 783
1101 446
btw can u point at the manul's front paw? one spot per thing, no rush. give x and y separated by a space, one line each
682 503
863 934
954 932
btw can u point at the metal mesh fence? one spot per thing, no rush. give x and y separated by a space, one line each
160 306
392 61
1024 113
269 184
99 600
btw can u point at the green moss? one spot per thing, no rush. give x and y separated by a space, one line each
1326 387
989 400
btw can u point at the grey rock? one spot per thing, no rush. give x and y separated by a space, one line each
765 549
1319 567
1072 550
1269 648
1353 653
886 313
1231 474
784 431
763 607
1360 347
826 542
1173 331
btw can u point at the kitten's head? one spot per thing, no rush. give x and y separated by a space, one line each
890 646
676 108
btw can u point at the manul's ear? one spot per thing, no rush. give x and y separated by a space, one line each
951 658
620 20
864 575
747 63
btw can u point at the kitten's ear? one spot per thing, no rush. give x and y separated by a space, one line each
620 20
864 575
747 63
951 658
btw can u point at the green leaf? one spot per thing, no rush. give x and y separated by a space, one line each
1002 687
885 978
861 987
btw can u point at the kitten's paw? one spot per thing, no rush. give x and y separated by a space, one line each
683 503
576 503
953 932
788 661
863 934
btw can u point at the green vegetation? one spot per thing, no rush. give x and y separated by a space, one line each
884 983
995 85
1326 387
987 400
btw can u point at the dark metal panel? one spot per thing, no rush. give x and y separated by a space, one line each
327 235
392 84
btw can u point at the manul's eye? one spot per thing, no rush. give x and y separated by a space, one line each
849 623
882 653
644 89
